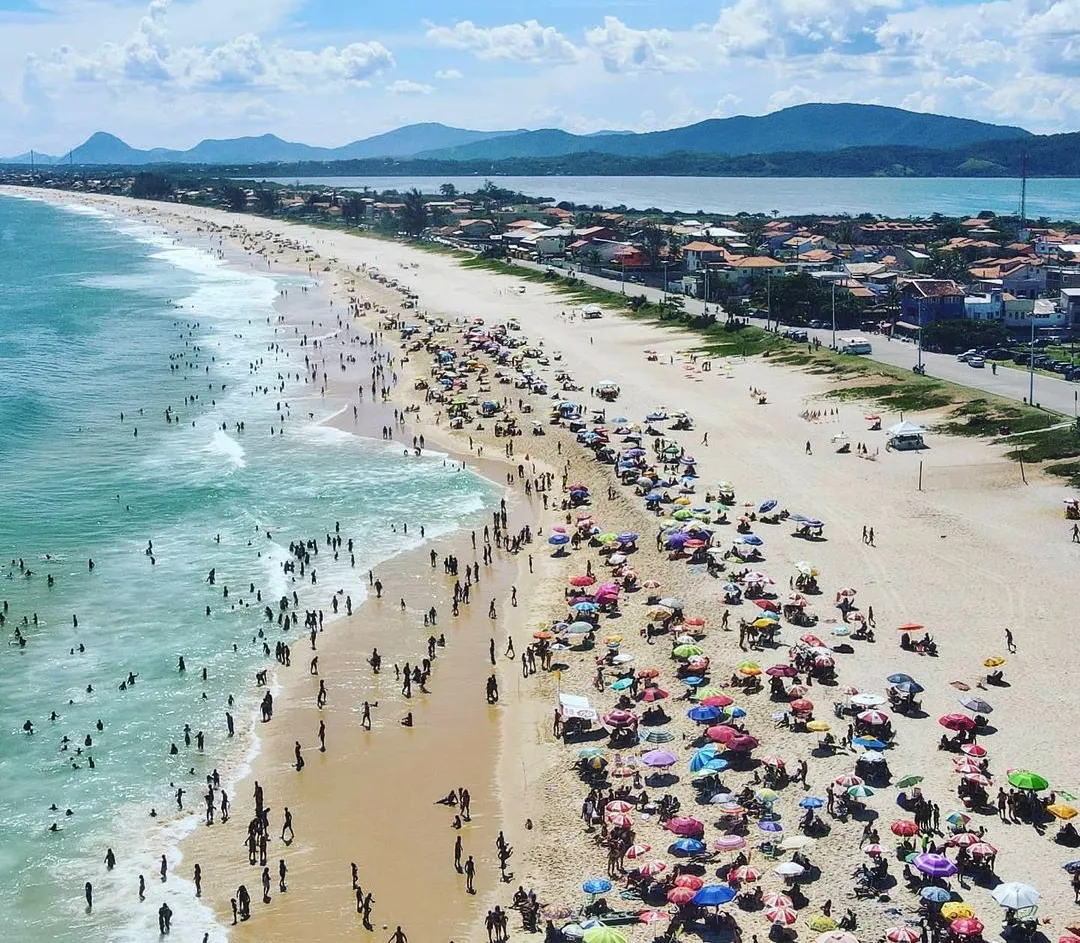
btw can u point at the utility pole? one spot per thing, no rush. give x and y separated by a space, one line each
833 284
920 334
1031 364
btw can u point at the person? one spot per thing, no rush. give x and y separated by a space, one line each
110 859
198 879
470 874
88 891
1009 644
299 757
282 871
398 936
288 827
808 451
457 854
164 918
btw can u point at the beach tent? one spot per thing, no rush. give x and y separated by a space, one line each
906 435
576 706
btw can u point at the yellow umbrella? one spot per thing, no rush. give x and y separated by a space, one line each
749 668
763 623
1061 810
817 726
612 639
659 612
819 923
995 662
955 909
683 501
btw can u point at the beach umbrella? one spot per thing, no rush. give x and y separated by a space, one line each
910 627
659 759
622 684
766 795
582 580
980 779
597 762
909 687
637 850
869 743
701 762
976 704
728 843
860 792
743 743
899 678
994 662
749 668
721 733
672 602
649 868
713 895
587 753
904 828
818 726
703 714
686 651
847 780
1071 866
901 935
619 820
716 700
956 722
649 917
955 909
603 934
789 869
966 926
935 866
1015 895
973 749
688 846
680 895
874 718
691 881
982 849
819 923
811 802
1026 779
619 718
580 628
781 916
935 895
744 873
1061 811
964 840
558 540
596 886
769 825
874 850
782 671
869 700
584 606
776 899
656 736
684 825
957 819
801 705
654 694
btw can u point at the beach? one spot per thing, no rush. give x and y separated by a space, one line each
976 551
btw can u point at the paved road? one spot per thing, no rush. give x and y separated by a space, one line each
1050 392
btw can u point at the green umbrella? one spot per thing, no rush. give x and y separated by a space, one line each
908 781
587 753
603 934
608 538
657 736
860 792
685 651
708 691
1026 779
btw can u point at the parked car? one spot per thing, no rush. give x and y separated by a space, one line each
966 354
976 361
796 334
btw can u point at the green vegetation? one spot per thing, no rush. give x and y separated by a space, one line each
1070 471
1054 444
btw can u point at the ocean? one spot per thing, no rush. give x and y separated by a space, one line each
1057 198
102 317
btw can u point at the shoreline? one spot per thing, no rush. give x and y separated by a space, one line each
970 551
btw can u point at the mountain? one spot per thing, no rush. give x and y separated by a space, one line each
812 127
103 148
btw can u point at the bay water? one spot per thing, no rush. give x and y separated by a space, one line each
100 317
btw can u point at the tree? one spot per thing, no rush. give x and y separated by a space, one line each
235 198
352 209
653 242
957 334
448 190
947 265
150 186
266 201
414 216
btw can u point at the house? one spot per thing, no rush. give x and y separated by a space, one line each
1023 277
988 307
697 255
596 232
926 300
549 243
1041 313
750 267
892 231
476 228
1070 305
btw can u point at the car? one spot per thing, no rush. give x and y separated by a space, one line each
976 361
966 354
817 325
796 335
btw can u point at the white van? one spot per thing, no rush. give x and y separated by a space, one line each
855 345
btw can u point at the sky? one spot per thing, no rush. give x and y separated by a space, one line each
172 72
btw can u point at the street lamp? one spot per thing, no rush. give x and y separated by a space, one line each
920 335
833 284
665 263
1031 364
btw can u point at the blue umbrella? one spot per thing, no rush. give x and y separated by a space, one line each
909 687
1072 866
558 540
767 825
899 678
596 886
713 895
706 760
936 894
693 681
734 711
655 496
753 539
812 802
688 846
584 607
871 743
628 538
767 505
622 684
704 715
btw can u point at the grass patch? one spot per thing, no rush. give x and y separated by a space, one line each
1050 445
983 417
1070 471
915 395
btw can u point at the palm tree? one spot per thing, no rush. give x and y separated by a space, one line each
414 215
448 190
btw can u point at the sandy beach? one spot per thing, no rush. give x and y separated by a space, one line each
975 552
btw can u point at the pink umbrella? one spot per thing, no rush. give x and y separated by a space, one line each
743 743
744 873
656 866
957 722
874 718
767 604
782 671
620 718
680 895
654 694
771 759
716 700
801 705
966 926
728 843
848 780
691 881
982 849
784 916
583 580
721 733
812 640
684 825
966 766
901 935
648 917
636 851
875 850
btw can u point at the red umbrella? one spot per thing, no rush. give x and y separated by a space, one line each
684 825
773 760
966 926
691 881
966 765
776 899
583 580
695 621
957 722
813 640
781 915
654 694
767 604
649 868
648 672
636 851
716 700
848 780
874 718
902 935
802 706
973 749
905 828
619 805
910 627
964 840
680 895
782 671
653 916
743 743
620 718
744 873
721 733
982 849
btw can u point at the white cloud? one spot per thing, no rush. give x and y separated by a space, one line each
405 87
519 42
146 58
623 49
448 75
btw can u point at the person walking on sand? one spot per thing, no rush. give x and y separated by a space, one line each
870 537
369 899
299 757
1076 534
808 450
322 736
1009 644
470 874
457 854
398 936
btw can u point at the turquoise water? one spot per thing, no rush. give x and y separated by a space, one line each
93 313
888 196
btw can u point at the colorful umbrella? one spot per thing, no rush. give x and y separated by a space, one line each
966 926
936 866
1026 779
905 828
782 916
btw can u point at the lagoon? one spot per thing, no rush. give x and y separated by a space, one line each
1056 198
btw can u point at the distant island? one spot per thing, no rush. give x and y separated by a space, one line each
812 140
